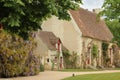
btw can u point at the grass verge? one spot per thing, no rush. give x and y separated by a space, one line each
78 70
106 76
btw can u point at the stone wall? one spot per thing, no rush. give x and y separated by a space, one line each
87 55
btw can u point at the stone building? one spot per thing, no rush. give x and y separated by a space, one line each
79 34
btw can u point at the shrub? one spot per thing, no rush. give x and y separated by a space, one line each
31 65
70 60
16 56
41 67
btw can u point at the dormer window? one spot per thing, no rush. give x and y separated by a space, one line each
58 45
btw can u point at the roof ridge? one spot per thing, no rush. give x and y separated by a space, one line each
90 27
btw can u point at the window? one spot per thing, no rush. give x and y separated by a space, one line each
48 60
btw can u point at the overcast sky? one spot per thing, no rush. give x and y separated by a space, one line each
92 4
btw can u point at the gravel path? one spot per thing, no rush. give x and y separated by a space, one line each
56 75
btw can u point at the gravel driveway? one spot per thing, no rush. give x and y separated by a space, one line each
56 75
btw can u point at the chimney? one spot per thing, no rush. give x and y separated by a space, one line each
93 10
97 10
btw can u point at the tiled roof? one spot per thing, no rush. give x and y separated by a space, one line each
50 40
90 26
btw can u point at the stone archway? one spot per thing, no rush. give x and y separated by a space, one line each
116 55
113 55
88 61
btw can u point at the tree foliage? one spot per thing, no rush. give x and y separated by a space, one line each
114 27
22 16
111 9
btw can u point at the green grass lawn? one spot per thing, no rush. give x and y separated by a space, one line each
116 69
77 70
85 70
107 76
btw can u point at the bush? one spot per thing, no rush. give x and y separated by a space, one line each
41 67
70 60
16 56
31 65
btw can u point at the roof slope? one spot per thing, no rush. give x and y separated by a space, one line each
89 26
50 40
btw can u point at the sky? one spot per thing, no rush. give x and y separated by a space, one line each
92 4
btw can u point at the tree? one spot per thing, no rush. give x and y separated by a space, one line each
111 9
22 16
114 27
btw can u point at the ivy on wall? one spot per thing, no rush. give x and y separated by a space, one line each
104 53
94 51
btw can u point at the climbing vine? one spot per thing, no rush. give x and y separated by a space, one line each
94 51
104 53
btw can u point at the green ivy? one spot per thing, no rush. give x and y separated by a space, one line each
94 51
104 48
104 53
